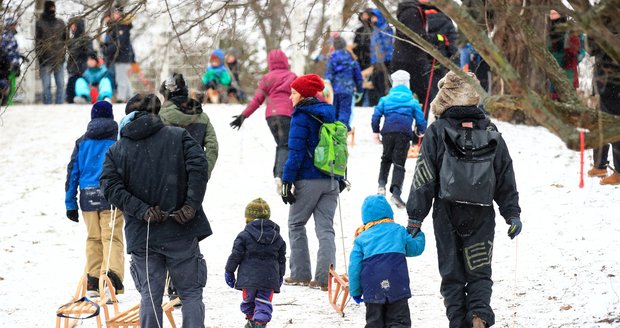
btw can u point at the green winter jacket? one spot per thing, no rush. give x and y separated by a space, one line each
187 113
220 75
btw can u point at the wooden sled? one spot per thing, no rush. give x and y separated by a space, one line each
414 152
131 317
337 290
80 308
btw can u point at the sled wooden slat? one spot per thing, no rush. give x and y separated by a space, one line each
84 309
337 290
131 317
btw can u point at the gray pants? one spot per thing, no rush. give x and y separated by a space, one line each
123 90
318 198
188 271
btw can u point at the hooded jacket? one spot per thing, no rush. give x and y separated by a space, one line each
156 165
381 47
378 268
344 73
9 53
441 29
260 254
50 40
275 87
118 48
79 47
362 43
86 163
303 138
93 75
187 113
399 108
218 74
411 13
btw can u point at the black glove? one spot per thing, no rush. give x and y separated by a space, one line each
287 194
237 122
155 215
184 215
413 227
343 184
515 227
73 215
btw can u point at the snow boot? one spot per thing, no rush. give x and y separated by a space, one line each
296 282
596 172
398 201
116 283
260 324
92 286
249 323
317 285
613 179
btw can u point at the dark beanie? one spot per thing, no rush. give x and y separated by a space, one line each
174 86
101 109
141 103
308 85
48 6
257 209
339 43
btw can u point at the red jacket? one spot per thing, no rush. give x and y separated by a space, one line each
275 86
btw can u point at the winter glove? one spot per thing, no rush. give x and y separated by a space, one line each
73 215
376 137
357 299
184 215
237 122
230 279
344 184
155 215
515 227
211 84
413 227
287 194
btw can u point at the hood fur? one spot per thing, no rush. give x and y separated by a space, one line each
454 91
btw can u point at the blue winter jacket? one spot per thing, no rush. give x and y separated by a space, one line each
95 74
400 109
344 73
381 43
86 163
378 268
303 138
9 44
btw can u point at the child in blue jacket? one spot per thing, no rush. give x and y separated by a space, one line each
83 173
260 254
399 110
344 74
95 76
378 273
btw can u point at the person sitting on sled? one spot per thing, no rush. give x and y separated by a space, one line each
94 84
216 78
259 252
378 274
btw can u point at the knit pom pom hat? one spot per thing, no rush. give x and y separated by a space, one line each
257 209
101 109
308 85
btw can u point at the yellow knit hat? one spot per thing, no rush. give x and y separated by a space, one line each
257 209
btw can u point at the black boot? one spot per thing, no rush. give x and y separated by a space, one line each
116 283
92 286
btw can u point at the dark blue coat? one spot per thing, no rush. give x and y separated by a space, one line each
399 109
118 48
85 166
378 268
343 72
303 138
260 254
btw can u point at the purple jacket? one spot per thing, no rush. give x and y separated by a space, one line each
275 86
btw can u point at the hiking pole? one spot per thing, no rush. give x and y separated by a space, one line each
428 94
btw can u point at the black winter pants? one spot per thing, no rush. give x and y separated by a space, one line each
609 104
395 149
279 126
70 94
388 315
464 235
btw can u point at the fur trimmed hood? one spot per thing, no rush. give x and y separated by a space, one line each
454 91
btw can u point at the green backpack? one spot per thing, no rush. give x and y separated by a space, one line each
331 153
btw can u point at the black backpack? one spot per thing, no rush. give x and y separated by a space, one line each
467 173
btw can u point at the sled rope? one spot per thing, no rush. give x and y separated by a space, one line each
514 285
113 223
148 281
344 251
428 94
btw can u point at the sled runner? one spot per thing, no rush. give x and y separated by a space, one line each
80 307
337 290
131 317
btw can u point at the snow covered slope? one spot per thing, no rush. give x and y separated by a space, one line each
565 256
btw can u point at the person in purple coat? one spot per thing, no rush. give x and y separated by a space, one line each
275 87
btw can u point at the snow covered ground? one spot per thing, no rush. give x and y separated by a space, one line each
561 271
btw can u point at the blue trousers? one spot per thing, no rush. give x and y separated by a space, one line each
45 72
188 271
104 89
342 104
256 304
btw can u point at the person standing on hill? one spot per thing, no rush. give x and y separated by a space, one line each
51 47
79 47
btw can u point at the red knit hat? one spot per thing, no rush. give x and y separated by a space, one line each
308 85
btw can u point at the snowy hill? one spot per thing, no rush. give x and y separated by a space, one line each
561 271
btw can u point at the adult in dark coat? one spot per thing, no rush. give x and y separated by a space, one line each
409 57
442 31
464 231
361 41
119 53
164 213
80 45
51 47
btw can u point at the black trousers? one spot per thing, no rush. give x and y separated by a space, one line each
609 104
464 235
280 126
70 90
395 149
392 315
